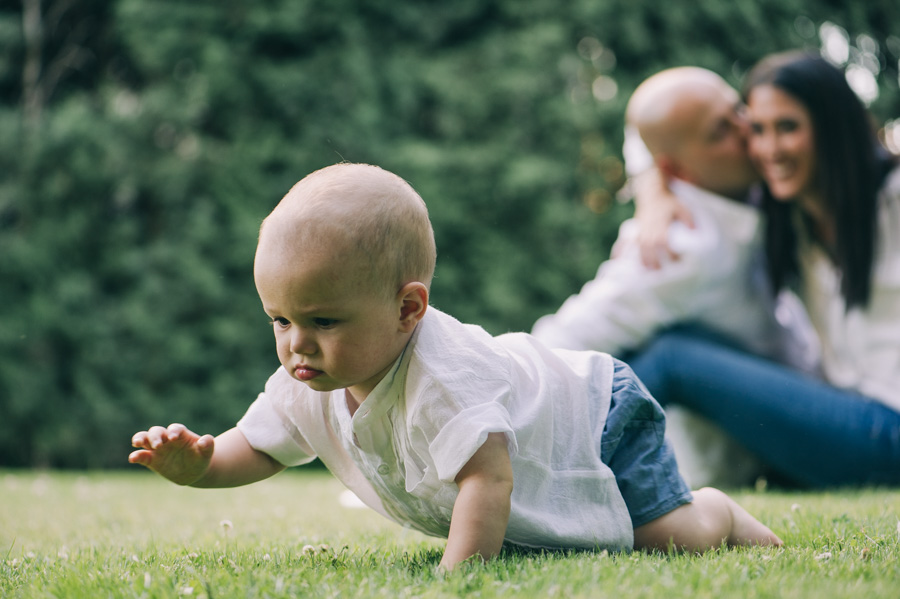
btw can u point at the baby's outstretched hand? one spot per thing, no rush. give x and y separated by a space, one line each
175 453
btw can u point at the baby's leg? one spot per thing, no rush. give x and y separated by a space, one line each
713 517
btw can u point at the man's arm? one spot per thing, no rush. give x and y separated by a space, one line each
186 458
481 512
626 303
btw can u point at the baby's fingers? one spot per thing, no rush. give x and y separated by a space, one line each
205 445
141 457
141 440
157 435
175 430
150 439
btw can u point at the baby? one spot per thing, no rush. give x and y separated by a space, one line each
434 423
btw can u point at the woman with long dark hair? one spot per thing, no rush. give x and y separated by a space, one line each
831 195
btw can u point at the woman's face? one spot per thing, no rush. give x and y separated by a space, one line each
781 144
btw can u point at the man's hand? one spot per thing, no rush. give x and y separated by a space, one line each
175 453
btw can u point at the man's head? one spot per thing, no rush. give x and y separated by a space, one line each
343 268
690 120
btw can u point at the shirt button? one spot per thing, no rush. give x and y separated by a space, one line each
384 469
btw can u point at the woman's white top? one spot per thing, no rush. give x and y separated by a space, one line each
860 347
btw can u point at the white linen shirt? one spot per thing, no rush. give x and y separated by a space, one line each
717 281
401 451
860 347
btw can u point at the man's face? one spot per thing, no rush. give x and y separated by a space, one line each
713 149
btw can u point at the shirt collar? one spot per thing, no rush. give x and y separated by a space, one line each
741 218
387 391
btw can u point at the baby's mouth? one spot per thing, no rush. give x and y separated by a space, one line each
305 373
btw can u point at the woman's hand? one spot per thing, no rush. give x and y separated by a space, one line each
656 208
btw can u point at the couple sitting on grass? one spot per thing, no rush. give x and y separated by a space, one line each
434 423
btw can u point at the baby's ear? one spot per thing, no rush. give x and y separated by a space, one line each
413 303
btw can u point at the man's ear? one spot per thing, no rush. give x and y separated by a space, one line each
413 298
669 167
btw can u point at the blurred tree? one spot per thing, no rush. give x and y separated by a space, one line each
141 143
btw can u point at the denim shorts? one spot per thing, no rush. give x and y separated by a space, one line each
634 447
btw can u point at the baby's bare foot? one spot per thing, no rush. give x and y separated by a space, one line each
747 530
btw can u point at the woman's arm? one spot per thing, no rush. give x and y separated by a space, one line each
481 512
655 208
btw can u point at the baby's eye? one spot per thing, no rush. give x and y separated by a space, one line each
280 322
324 323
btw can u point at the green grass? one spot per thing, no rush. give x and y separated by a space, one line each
131 534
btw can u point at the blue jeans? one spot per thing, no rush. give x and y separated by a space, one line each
633 445
814 434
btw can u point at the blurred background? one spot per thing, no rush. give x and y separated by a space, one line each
142 142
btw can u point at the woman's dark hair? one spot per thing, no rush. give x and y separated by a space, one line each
851 166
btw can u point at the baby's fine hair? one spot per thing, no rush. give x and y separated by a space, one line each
374 213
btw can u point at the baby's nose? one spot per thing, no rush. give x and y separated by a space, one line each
302 342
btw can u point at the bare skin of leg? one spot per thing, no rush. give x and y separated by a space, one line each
711 519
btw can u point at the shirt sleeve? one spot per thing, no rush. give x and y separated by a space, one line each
459 439
627 303
268 429
455 416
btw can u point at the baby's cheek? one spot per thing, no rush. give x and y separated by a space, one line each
284 355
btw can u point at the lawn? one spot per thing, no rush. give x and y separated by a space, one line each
131 534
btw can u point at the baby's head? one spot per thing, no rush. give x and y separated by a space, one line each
343 267
367 217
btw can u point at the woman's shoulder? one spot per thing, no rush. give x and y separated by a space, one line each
891 184
887 269
889 199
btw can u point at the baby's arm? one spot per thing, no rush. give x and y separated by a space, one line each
481 511
187 458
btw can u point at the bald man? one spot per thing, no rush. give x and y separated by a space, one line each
689 119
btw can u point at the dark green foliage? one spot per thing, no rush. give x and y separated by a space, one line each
141 143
